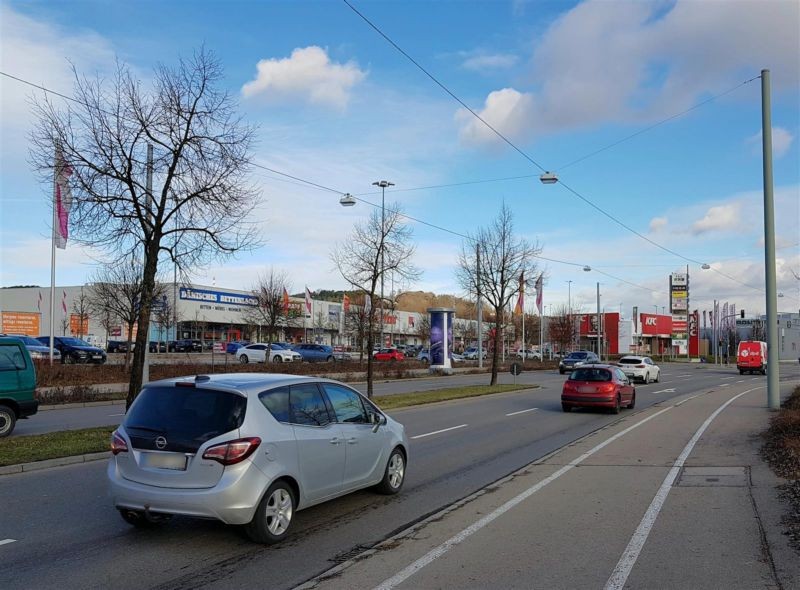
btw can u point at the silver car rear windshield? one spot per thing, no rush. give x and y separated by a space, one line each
630 361
186 417
590 375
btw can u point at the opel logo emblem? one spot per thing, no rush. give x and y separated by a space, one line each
161 442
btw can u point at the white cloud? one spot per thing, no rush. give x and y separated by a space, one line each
719 218
489 61
781 142
596 65
309 74
507 110
658 223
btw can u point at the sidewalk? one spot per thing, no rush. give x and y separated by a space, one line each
575 518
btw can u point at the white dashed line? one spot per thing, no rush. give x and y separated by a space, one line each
724 384
438 431
522 411
112 415
7 541
741 380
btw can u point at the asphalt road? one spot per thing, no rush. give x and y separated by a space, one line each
66 534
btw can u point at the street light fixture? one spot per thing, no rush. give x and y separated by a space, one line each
587 268
347 200
705 266
548 178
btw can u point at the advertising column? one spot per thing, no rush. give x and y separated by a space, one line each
441 338
679 307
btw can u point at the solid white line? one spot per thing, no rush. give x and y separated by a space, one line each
437 552
522 411
724 378
625 564
111 415
683 401
438 431
7 541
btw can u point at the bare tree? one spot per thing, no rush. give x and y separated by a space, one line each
164 316
378 246
200 204
64 326
504 257
271 310
116 290
80 308
356 323
561 327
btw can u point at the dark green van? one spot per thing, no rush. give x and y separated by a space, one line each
17 384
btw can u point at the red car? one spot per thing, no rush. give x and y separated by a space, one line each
389 354
598 386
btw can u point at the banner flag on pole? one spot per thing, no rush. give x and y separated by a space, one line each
520 307
539 297
285 301
64 302
346 303
308 301
367 304
62 201
39 303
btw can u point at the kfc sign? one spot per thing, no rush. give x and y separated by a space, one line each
653 325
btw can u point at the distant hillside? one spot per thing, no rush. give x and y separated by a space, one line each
418 301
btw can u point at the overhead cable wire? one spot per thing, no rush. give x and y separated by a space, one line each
517 149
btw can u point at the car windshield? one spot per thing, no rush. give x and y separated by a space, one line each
74 342
30 341
576 355
630 361
590 375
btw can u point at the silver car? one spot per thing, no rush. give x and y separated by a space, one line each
250 449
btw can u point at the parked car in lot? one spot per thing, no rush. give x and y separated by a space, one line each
155 346
342 356
640 367
250 449
471 353
75 350
17 384
412 350
389 354
598 386
257 353
424 355
235 345
119 346
529 354
36 349
456 358
576 359
186 345
315 353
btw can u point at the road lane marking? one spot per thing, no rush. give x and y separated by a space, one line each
686 375
111 415
741 380
671 390
437 552
438 431
683 401
724 384
625 564
7 541
522 411
724 378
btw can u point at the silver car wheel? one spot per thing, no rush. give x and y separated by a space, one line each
397 470
279 512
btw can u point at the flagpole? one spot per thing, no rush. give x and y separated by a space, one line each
53 263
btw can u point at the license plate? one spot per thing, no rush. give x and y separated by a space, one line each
96 356
164 461
587 390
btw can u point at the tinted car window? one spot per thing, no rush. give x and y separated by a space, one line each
186 416
307 406
277 402
590 375
74 342
629 361
346 404
577 355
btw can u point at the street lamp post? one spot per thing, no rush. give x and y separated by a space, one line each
383 184
569 314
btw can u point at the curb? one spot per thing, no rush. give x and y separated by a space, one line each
50 463
50 407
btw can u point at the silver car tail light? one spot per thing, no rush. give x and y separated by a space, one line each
232 452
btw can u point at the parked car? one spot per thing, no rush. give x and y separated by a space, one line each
412 350
342 356
155 346
75 350
235 345
471 353
576 359
186 345
529 354
118 346
389 354
188 447
640 367
314 353
598 386
17 383
257 353
751 356
456 358
424 355
36 349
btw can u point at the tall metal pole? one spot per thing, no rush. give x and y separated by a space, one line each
53 262
383 213
569 315
480 304
599 350
150 203
522 294
773 355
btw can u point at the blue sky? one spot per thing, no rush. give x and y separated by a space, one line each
337 105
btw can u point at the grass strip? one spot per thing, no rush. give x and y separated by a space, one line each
38 447
402 400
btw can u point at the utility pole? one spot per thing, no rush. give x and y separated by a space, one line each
599 336
773 387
